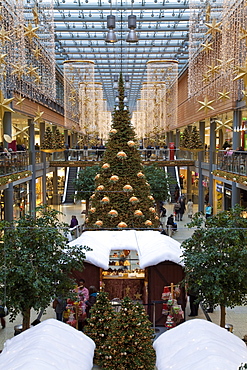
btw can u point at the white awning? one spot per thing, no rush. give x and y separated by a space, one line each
201 345
152 247
50 345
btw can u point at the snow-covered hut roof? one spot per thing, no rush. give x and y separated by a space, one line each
49 345
152 247
199 344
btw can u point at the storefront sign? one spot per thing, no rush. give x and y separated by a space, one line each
219 188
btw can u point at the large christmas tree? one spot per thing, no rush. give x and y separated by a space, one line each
129 343
122 198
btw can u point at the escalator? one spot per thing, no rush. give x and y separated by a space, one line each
173 173
69 189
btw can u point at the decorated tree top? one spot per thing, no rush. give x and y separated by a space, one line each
191 139
52 140
122 198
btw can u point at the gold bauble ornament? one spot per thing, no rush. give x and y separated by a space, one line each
138 213
140 175
113 131
99 223
97 177
133 200
127 188
131 143
106 166
105 200
151 197
114 178
121 155
122 225
92 210
148 223
100 187
92 196
152 209
113 213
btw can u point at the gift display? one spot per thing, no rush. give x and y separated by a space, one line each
171 308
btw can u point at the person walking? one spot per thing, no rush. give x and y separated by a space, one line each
176 210
163 216
73 222
208 211
182 208
190 208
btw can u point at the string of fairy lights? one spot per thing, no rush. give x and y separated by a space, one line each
217 53
27 49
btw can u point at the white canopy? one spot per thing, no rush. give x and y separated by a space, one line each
49 345
152 247
199 344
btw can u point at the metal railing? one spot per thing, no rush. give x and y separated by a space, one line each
232 161
13 162
97 155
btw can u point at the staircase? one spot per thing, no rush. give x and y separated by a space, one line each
172 173
70 189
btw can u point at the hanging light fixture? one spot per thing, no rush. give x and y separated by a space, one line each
132 37
127 83
115 83
111 36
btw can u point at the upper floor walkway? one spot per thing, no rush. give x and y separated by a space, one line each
230 161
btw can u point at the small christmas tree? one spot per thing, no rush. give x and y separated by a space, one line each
129 343
52 140
185 142
99 324
191 139
48 139
58 140
122 198
195 140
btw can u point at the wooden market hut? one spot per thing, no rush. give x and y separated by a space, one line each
159 264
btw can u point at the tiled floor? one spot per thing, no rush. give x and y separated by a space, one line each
236 316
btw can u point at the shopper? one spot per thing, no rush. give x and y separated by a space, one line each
59 305
208 211
91 300
162 215
170 222
190 208
182 208
176 210
73 222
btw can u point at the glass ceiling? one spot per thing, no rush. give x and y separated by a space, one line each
162 28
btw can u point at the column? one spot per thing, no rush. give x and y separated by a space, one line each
7 126
55 198
43 161
9 192
212 156
66 137
237 122
200 160
32 183
235 194
189 184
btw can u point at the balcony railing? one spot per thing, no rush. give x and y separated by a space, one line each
146 155
13 162
232 161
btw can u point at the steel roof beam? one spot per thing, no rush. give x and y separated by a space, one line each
138 29
112 6
111 46
184 18
102 38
